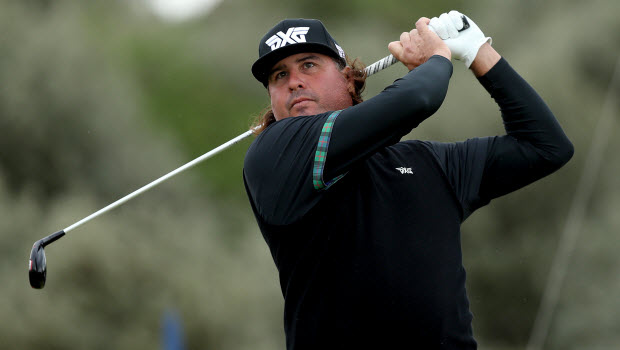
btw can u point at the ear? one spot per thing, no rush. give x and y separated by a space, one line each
348 76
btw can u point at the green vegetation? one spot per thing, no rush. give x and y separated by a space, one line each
99 98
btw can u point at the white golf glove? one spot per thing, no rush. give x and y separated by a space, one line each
465 44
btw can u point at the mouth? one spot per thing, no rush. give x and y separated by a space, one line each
300 101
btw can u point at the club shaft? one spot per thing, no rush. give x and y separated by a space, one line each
370 70
161 179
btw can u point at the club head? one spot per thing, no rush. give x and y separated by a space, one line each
37 270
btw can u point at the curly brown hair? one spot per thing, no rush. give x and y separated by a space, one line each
357 73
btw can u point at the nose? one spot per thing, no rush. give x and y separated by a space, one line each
296 81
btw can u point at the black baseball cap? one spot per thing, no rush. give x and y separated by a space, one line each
292 36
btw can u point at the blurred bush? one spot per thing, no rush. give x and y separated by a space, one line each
100 98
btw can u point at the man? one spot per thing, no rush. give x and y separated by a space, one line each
364 229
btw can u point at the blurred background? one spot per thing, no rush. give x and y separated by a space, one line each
98 98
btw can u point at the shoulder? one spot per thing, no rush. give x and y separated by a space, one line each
278 168
286 135
278 133
284 149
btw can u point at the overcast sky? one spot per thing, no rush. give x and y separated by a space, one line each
180 10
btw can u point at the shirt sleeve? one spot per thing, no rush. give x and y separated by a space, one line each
361 130
291 163
534 146
278 168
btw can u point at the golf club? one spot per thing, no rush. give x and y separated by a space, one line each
37 268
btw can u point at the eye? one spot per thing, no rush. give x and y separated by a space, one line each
308 65
279 75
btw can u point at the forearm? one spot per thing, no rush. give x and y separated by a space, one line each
535 145
363 129
526 116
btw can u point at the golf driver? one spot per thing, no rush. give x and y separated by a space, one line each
37 268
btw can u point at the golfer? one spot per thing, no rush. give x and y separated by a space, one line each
364 228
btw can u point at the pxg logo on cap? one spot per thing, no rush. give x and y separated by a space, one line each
294 35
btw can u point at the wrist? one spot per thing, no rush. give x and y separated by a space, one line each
485 59
444 53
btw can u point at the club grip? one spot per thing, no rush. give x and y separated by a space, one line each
465 23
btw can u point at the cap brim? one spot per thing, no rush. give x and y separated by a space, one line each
262 66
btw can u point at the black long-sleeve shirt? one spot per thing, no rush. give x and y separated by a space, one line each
365 230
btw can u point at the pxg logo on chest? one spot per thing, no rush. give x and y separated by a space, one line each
293 35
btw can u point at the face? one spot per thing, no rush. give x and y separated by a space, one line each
307 84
